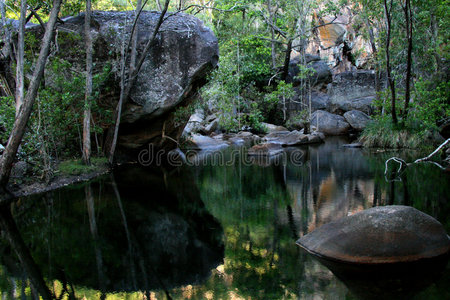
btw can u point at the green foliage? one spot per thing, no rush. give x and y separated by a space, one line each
77 167
431 103
383 133
182 114
298 121
7 114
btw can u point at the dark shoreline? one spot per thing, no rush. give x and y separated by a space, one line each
25 190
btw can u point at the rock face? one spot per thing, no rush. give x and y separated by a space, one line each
321 73
352 91
380 235
319 101
328 123
185 51
357 119
339 41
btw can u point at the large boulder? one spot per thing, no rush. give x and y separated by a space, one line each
328 123
292 138
352 90
273 128
178 62
244 138
380 235
357 119
286 138
202 142
195 123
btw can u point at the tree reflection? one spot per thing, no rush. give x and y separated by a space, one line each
12 235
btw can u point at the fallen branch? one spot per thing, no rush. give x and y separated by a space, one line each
403 164
433 153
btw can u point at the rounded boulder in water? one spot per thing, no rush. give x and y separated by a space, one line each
379 235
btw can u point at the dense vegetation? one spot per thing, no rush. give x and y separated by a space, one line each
410 55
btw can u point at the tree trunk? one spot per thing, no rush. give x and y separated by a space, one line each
20 57
88 94
287 60
408 20
388 64
135 38
20 123
158 3
375 56
125 90
272 32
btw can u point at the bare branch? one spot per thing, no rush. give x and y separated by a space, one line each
427 158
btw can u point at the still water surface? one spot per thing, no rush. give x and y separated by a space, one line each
207 232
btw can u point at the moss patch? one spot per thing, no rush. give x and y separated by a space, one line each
77 167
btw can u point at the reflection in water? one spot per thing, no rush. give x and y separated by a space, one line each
12 235
152 238
213 232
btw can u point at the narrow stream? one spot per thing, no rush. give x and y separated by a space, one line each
221 229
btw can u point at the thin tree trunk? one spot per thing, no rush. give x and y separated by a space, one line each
272 32
287 60
21 121
408 20
375 56
134 39
434 41
388 64
20 57
88 94
158 3
125 91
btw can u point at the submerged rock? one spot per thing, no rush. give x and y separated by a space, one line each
268 149
380 235
353 145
